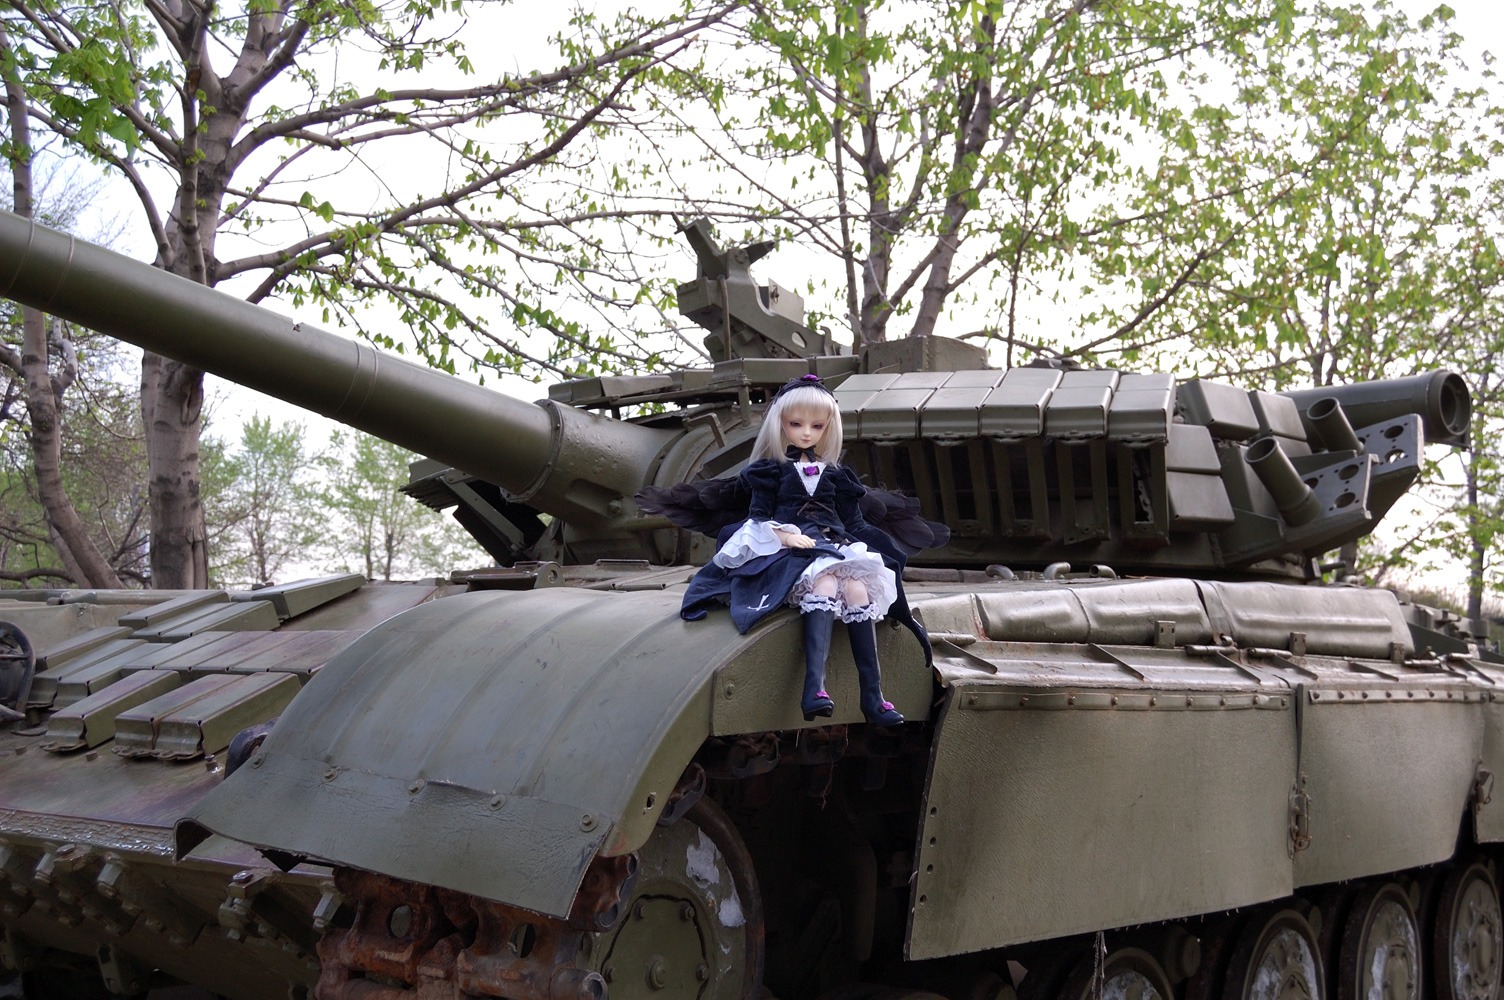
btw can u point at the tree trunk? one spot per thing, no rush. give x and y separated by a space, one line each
172 396
75 549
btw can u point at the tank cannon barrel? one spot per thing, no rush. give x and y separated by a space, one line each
1440 398
563 461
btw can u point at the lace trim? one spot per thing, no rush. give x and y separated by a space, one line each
865 613
819 602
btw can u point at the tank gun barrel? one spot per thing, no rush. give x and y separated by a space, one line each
1440 398
563 461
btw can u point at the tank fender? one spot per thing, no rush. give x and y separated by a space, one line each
491 743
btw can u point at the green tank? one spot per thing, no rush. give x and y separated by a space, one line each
1150 755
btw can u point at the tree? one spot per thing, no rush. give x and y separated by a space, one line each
44 364
103 473
222 108
1363 244
1351 193
266 507
944 157
377 530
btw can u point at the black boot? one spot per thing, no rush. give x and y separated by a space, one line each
817 629
869 675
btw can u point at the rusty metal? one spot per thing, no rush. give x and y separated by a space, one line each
411 941
523 956
396 925
603 892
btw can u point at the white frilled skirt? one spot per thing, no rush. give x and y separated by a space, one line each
856 562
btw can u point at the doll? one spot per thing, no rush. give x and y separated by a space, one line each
802 546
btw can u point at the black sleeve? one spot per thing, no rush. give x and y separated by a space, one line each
849 491
761 480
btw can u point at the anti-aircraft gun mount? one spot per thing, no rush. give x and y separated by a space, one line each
536 782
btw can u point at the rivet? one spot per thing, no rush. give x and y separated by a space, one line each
1189 701
686 911
702 972
1341 695
242 876
1364 696
609 972
256 760
640 911
730 690
497 800
587 822
657 972
1114 699
331 774
1153 702
415 787
1070 700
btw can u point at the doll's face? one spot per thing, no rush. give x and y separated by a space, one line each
804 428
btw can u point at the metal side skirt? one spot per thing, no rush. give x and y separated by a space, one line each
484 743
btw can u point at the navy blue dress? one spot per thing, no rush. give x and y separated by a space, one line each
831 515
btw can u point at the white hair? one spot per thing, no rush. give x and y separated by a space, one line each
804 399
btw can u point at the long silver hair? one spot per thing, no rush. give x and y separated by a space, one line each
808 400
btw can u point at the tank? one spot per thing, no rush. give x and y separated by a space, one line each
1156 749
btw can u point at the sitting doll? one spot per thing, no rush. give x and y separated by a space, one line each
801 546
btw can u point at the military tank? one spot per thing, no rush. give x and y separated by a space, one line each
1152 753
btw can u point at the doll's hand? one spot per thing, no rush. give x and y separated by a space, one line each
795 540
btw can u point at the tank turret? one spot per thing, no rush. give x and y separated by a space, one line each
1029 467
